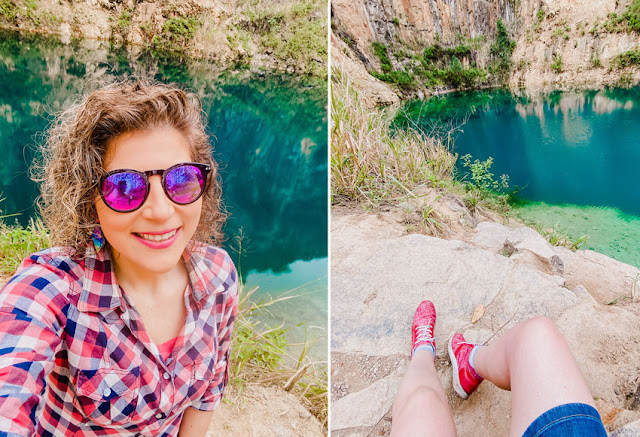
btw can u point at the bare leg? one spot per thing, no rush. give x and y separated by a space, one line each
420 408
533 361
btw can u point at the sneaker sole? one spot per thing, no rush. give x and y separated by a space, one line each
456 376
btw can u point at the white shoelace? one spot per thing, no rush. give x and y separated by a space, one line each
424 334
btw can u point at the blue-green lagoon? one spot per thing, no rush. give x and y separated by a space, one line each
573 155
269 133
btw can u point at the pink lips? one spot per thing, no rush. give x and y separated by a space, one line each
158 244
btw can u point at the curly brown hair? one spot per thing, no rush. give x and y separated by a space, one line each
74 150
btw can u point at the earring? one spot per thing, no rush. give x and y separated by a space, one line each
98 238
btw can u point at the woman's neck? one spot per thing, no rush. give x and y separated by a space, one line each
149 283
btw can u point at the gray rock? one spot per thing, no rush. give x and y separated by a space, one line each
357 409
530 240
491 235
629 430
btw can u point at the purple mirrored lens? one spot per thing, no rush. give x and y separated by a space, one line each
184 184
124 191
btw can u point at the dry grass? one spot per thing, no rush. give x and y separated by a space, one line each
262 355
371 163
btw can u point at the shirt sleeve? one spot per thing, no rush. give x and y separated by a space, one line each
32 317
227 306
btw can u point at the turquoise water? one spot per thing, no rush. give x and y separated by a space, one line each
269 134
574 156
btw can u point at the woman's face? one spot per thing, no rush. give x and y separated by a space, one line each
142 240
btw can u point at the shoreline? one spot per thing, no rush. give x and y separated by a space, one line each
283 37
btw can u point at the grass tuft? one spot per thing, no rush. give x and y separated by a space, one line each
369 162
17 242
263 355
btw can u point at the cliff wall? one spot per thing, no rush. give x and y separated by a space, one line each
558 44
287 35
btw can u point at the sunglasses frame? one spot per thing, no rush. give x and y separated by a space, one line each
205 169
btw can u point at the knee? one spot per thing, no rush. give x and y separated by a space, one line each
423 399
540 330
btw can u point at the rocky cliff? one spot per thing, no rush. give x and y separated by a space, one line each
558 44
285 35
482 282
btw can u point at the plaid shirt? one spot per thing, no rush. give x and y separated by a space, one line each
76 360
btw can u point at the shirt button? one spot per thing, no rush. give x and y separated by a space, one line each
159 416
166 375
106 392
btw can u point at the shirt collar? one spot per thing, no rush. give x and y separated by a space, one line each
194 258
100 291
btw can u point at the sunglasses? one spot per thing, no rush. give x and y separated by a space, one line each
126 190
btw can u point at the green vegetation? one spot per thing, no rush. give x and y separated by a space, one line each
16 243
438 66
263 354
628 21
395 21
628 58
558 237
451 67
124 21
556 64
176 34
595 61
562 32
290 34
8 11
381 52
293 32
501 51
483 189
369 162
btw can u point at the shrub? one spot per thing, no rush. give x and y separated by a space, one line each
626 59
400 78
125 20
556 65
501 51
177 32
381 52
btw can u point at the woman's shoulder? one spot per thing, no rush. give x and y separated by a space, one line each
53 266
210 257
213 267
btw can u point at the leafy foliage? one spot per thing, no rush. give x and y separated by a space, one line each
381 52
628 21
177 32
628 58
556 64
501 51
482 179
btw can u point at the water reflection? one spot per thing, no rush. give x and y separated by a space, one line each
578 147
269 134
561 148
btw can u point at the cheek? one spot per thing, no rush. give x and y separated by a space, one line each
112 223
192 215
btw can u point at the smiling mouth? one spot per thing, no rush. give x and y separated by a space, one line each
156 237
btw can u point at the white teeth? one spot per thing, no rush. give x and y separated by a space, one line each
160 237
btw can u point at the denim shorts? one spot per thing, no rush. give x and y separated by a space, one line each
568 420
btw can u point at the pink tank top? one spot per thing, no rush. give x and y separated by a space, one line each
166 348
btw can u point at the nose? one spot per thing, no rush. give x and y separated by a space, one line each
158 206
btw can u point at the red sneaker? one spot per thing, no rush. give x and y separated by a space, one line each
465 378
424 320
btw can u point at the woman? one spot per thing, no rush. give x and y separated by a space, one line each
549 396
124 327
